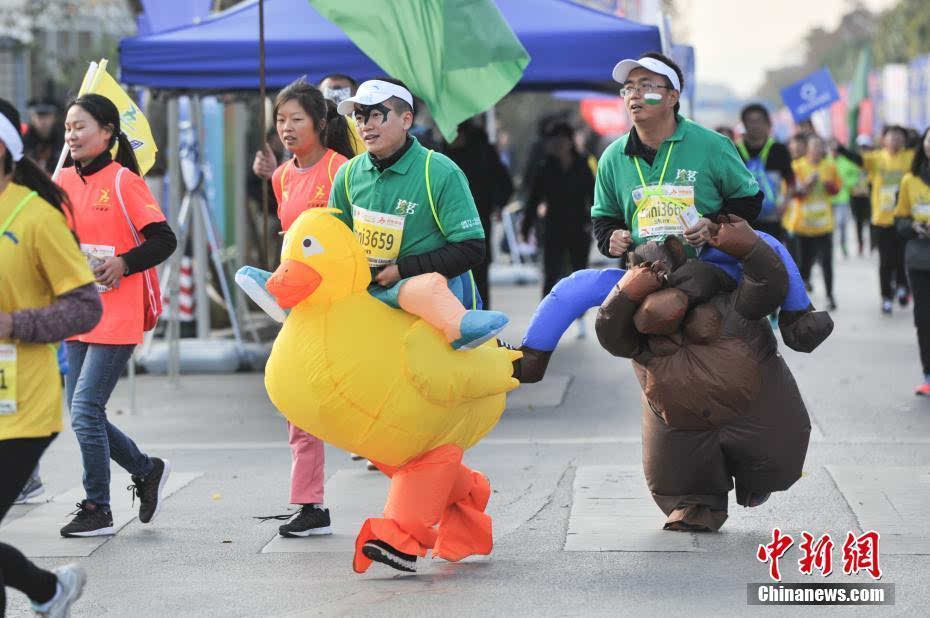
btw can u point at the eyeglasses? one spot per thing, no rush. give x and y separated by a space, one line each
627 91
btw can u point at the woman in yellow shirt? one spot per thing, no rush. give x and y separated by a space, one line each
885 169
912 220
46 294
810 216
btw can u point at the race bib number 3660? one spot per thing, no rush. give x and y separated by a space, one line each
379 234
7 378
659 209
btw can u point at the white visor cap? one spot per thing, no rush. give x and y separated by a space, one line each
623 68
372 92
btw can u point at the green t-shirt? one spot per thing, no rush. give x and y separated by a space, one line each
849 177
701 167
390 211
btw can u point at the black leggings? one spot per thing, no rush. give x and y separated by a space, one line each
18 458
813 249
862 211
920 287
890 261
563 244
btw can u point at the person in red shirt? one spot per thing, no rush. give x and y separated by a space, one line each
112 206
318 138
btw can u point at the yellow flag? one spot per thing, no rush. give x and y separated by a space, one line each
132 122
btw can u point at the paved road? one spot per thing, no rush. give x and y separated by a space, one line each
575 535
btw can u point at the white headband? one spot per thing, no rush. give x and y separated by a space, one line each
10 136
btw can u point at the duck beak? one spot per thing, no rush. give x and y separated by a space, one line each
292 282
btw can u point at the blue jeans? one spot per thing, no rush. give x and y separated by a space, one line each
93 370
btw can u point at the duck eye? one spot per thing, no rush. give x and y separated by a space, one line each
311 246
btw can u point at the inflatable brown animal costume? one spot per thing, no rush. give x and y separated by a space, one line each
719 403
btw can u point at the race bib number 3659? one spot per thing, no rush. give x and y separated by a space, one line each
379 234
7 378
658 209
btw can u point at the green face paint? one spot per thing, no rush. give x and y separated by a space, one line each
652 98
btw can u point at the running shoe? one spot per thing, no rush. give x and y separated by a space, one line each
379 551
90 520
887 306
903 297
150 489
71 579
310 520
478 327
831 304
32 489
355 457
371 466
923 390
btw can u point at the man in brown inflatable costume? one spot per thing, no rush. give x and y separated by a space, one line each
719 403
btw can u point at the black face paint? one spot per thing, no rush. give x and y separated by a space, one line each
366 110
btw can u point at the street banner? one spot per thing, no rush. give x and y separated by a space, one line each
814 92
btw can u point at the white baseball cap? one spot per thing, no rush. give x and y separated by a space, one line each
372 92
623 68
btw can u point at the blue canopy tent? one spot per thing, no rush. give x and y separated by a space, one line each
569 46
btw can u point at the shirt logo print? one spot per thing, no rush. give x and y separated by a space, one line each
320 192
689 176
405 208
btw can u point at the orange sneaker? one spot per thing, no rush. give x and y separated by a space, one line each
923 389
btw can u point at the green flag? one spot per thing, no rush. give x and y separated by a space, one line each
459 56
858 92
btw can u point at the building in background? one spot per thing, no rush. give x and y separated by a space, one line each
45 45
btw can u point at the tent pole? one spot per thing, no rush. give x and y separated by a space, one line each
266 242
173 328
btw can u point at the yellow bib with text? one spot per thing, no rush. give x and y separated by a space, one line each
658 209
379 234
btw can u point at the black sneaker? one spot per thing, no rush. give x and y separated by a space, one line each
379 551
90 520
150 488
311 520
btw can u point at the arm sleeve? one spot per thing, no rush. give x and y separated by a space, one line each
784 163
746 208
603 228
449 261
72 313
160 242
855 157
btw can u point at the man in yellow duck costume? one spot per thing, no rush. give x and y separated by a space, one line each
383 383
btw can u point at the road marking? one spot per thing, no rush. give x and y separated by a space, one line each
36 533
892 500
612 510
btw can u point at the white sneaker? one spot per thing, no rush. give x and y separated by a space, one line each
71 579
371 466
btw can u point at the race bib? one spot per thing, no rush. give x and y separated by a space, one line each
379 234
658 209
95 256
7 378
921 213
815 214
887 197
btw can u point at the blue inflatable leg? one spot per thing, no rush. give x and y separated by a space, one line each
567 302
796 299
252 281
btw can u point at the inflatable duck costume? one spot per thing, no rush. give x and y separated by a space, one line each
382 383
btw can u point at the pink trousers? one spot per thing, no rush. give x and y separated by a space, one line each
307 467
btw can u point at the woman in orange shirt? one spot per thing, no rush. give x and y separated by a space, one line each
318 137
112 207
